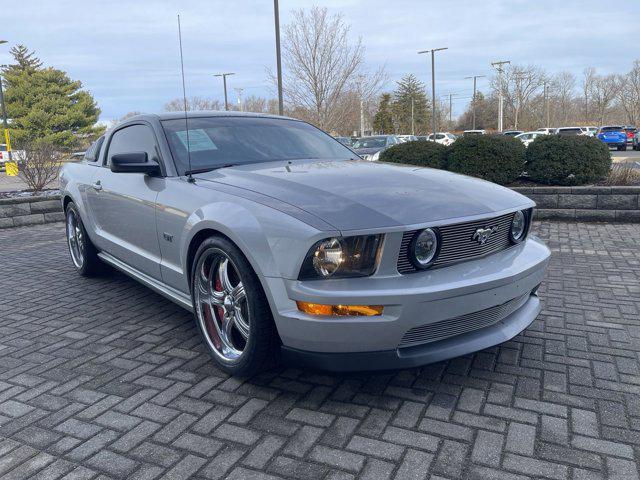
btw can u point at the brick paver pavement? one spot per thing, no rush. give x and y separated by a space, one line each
101 378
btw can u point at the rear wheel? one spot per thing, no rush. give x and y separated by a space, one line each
84 254
231 309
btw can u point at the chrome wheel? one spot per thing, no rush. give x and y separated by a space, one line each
221 305
75 238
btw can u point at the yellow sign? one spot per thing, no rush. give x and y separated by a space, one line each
11 168
6 139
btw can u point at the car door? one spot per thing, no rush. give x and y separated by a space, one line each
123 205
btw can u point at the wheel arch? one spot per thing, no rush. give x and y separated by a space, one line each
207 232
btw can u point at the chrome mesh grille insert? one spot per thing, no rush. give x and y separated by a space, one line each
451 327
458 244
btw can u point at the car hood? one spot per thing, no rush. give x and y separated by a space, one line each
357 195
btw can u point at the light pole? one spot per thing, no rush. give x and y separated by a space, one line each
473 99
276 14
433 87
5 122
546 103
239 91
499 67
224 83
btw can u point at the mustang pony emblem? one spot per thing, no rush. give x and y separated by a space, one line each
482 234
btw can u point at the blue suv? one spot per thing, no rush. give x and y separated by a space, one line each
613 136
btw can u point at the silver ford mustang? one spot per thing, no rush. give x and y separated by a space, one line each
286 245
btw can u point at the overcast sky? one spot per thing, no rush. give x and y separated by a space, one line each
126 52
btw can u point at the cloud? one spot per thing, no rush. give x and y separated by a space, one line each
126 53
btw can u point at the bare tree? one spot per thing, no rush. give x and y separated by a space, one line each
562 90
588 77
255 104
521 82
40 166
321 64
193 103
629 94
602 93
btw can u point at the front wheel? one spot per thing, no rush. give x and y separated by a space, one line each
84 254
231 309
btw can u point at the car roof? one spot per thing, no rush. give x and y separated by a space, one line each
202 114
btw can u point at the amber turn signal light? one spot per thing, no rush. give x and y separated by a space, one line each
340 310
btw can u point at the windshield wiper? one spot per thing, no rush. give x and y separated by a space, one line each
209 169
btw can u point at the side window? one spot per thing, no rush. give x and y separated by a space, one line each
93 152
136 138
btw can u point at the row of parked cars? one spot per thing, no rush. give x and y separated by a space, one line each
370 147
615 136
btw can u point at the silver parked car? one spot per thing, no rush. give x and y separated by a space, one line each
285 244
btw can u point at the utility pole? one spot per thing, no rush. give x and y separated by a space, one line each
224 83
499 67
361 80
473 100
276 14
361 116
546 103
239 91
433 87
5 122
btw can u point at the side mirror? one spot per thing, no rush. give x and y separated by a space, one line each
134 162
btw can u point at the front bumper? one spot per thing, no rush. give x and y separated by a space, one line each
409 301
419 355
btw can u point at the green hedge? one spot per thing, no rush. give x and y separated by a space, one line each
567 160
424 154
496 158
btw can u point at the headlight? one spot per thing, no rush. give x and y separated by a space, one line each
424 248
340 257
375 156
518 227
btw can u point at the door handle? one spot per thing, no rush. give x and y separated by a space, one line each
97 185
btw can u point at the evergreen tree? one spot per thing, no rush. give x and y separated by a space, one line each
486 113
45 105
24 59
383 119
409 90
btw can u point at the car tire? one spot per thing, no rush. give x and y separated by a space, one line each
624 148
237 328
84 254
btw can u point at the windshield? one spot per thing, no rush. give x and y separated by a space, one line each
371 142
218 141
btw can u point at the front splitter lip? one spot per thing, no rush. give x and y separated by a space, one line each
420 355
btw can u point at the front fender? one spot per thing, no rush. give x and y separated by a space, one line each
273 242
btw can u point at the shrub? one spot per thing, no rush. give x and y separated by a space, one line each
423 154
40 166
496 158
567 160
623 174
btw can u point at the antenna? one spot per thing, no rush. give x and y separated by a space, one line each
184 98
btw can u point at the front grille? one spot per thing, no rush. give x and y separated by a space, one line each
457 243
433 332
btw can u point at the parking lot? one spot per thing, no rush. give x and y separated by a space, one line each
102 378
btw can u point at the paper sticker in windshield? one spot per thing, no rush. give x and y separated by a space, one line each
198 139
